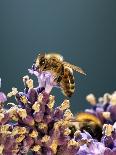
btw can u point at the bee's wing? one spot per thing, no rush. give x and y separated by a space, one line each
75 68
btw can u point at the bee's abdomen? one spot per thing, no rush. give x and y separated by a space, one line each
68 83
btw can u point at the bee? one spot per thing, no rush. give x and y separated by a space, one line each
62 71
90 123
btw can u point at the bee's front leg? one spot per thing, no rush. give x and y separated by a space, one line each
49 82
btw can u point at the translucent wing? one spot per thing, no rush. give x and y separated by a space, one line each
75 68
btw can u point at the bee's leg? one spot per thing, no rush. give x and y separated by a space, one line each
58 80
62 70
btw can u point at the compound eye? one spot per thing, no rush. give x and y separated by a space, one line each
42 62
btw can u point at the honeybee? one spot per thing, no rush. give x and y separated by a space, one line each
62 71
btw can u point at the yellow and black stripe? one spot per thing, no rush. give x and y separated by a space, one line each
67 82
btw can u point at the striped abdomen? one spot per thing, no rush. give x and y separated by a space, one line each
67 83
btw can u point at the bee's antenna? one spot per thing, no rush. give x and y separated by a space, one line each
42 54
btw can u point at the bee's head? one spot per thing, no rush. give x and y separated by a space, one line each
40 62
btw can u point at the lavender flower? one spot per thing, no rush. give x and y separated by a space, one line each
2 97
35 125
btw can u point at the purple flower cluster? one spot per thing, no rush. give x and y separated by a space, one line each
34 125
105 110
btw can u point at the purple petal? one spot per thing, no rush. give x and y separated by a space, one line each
3 97
112 110
108 151
97 147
